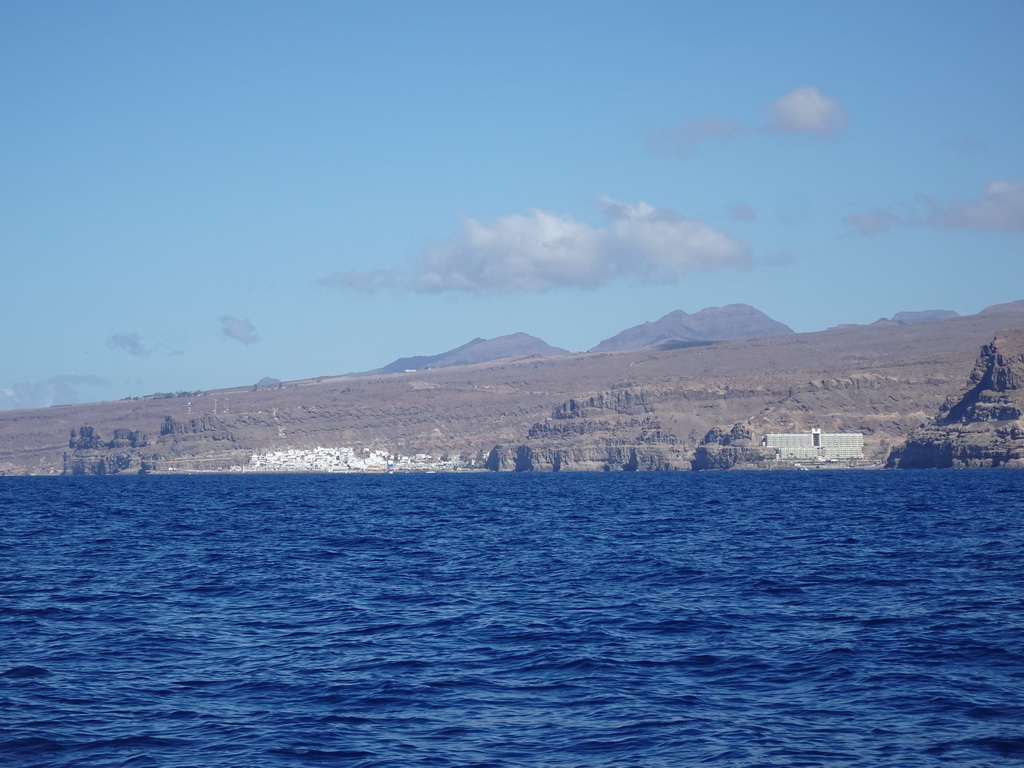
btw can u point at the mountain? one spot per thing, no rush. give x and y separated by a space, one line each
651 408
734 321
476 351
905 318
932 315
1000 309
924 316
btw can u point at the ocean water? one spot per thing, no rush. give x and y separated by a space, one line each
714 619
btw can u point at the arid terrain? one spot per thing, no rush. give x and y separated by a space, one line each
652 408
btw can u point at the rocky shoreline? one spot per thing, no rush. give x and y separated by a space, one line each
983 426
651 409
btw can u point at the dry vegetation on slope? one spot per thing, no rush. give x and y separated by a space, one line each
642 409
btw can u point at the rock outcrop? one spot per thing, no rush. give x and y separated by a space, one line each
983 426
739 448
194 444
605 431
90 454
646 409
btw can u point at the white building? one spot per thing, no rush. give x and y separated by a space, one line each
816 445
346 459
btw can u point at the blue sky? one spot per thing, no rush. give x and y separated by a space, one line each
200 194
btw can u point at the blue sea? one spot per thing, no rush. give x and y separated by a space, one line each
824 618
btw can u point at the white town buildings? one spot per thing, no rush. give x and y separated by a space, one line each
345 459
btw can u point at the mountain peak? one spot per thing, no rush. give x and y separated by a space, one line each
734 321
998 309
924 316
476 351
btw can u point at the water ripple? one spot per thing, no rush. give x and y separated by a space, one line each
762 619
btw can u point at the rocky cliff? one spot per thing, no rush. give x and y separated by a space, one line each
199 441
90 454
644 409
740 447
611 430
982 426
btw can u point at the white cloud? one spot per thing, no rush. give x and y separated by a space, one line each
662 246
743 212
807 110
803 110
129 342
365 282
239 329
965 145
1002 209
871 223
59 390
517 253
683 139
780 259
542 250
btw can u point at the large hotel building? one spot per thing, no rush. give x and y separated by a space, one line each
816 445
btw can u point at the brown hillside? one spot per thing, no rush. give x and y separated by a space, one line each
643 409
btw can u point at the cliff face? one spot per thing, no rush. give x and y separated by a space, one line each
739 447
983 426
136 452
647 409
605 431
